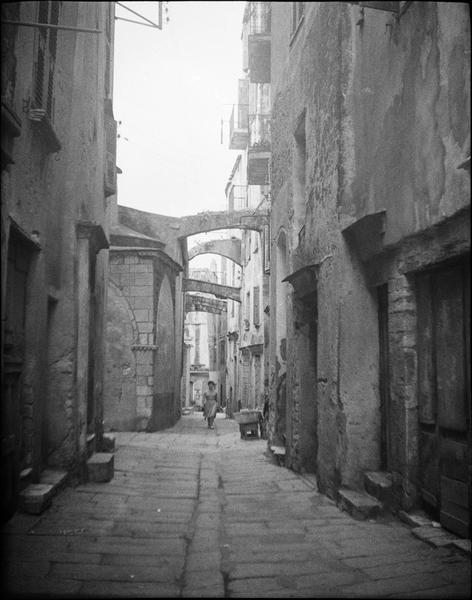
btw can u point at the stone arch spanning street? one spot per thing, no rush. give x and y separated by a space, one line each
230 248
148 251
170 228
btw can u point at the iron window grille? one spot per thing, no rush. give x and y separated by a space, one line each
43 89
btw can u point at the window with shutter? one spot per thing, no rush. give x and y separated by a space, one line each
256 306
43 93
110 150
108 70
248 311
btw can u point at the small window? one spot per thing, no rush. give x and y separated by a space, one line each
299 171
256 306
248 310
108 51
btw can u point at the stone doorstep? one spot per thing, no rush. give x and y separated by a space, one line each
359 505
101 467
36 497
423 529
279 453
463 545
414 519
379 485
25 478
54 477
90 444
441 538
108 442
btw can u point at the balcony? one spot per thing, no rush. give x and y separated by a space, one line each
258 41
259 150
238 127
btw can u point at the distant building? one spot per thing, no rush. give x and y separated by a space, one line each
249 188
58 176
370 262
205 325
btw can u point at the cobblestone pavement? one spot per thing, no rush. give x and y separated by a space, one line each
193 512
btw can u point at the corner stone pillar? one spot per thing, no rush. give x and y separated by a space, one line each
90 240
83 319
402 413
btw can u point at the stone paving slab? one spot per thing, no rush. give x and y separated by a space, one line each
199 513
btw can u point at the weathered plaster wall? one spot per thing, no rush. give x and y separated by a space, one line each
47 194
309 79
120 410
409 105
386 107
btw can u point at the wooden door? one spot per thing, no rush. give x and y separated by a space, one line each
443 298
13 358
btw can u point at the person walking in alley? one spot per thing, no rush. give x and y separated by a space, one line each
210 404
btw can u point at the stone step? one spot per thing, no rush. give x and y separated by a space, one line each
54 477
435 535
101 467
25 478
35 498
279 453
108 442
90 444
359 505
416 518
379 485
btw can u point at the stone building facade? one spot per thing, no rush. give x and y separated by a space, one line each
248 188
370 222
58 175
140 341
144 329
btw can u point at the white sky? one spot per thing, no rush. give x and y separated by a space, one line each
172 87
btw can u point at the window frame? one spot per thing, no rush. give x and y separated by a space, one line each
44 67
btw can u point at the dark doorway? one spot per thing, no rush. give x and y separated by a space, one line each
384 376
306 310
13 349
91 351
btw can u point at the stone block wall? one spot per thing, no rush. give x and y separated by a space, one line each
142 304
403 409
133 276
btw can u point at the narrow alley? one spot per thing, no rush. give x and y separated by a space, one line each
194 512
